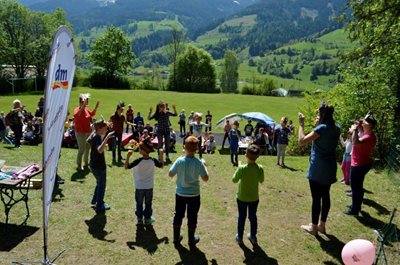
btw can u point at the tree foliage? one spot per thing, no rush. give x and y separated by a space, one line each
229 74
26 36
371 78
112 52
195 72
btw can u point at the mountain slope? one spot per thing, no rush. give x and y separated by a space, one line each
85 14
277 23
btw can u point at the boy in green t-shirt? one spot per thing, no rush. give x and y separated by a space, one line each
250 175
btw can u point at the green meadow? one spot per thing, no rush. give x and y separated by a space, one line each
114 238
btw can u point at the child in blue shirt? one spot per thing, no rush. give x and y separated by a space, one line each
282 141
189 170
234 135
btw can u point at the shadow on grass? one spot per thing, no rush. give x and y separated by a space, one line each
291 168
80 175
96 227
11 235
193 256
333 246
381 209
257 256
57 193
224 151
147 239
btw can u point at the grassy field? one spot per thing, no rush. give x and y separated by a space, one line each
115 239
219 104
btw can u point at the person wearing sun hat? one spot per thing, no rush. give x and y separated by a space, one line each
364 142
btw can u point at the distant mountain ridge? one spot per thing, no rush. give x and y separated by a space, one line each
85 14
278 22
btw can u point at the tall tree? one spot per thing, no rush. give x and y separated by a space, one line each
112 52
229 75
26 36
371 78
15 25
195 72
174 49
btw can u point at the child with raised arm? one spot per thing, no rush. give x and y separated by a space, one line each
189 170
249 175
98 141
143 172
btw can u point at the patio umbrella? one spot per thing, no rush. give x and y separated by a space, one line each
258 117
231 118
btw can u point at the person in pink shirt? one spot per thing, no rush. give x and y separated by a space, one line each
364 142
82 120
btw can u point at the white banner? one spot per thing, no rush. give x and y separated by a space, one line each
60 75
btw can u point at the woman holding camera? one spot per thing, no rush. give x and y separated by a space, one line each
364 141
322 170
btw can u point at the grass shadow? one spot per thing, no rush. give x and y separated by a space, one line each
333 246
147 239
381 210
11 235
193 256
57 193
96 227
291 168
368 191
80 175
224 151
367 220
257 256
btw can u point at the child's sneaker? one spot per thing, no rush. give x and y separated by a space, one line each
195 240
150 220
253 240
238 239
139 221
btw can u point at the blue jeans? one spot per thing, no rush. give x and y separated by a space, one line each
100 189
192 204
146 196
357 176
242 214
234 154
166 135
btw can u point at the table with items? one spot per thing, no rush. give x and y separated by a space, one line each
14 186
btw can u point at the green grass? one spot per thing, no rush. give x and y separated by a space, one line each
219 104
115 239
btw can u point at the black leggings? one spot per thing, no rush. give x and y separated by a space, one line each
319 193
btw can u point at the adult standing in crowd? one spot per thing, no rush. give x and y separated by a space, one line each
117 125
129 118
161 115
364 141
227 129
82 120
182 123
16 118
323 166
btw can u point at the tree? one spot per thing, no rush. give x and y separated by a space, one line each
112 52
195 72
229 75
174 49
26 36
371 78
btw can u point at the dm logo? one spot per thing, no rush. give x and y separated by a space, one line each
61 79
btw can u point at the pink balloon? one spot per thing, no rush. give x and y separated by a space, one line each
358 252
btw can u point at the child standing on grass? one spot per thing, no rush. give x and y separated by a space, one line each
188 170
249 175
347 145
98 141
234 137
143 172
282 140
198 126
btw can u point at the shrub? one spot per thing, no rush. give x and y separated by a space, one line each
101 80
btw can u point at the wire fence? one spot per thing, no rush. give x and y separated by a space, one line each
393 159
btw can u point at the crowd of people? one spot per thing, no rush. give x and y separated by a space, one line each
93 136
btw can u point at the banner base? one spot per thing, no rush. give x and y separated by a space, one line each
47 261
